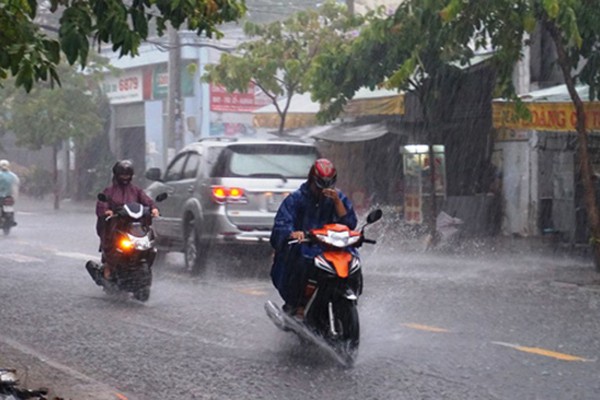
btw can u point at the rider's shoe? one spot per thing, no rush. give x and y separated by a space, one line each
295 312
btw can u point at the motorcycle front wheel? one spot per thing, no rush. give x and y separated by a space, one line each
142 294
348 326
6 225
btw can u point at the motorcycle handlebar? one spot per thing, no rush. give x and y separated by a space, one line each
118 213
308 239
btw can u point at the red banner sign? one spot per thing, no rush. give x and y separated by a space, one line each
222 100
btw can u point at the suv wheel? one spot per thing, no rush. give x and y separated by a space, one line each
194 253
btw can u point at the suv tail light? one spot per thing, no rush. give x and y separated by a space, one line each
223 194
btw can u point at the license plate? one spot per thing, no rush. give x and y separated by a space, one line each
8 209
274 201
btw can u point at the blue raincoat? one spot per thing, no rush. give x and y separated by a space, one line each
301 211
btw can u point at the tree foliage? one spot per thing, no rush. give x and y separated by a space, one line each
47 116
412 49
52 117
280 57
30 54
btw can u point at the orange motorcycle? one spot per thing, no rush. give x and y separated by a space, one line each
331 294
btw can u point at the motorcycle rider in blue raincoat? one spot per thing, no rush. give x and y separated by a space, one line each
317 202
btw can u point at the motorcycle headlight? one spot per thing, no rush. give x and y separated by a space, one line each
126 244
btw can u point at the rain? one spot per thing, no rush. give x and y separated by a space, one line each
432 178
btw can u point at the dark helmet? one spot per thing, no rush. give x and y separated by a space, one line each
123 168
323 174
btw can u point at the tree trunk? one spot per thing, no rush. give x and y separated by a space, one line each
585 166
55 177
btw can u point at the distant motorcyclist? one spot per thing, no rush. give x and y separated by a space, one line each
121 192
9 181
317 202
9 189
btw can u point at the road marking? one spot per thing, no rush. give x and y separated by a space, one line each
426 328
120 396
77 256
543 352
20 258
252 292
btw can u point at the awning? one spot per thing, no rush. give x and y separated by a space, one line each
303 111
342 132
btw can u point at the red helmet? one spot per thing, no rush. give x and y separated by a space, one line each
323 174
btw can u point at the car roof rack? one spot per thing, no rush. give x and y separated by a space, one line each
218 139
284 138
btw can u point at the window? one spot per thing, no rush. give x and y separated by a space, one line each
174 172
191 166
266 160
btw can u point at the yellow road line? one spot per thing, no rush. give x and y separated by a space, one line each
426 328
253 292
120 396
543 352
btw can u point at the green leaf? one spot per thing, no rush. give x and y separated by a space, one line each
552 8
401 76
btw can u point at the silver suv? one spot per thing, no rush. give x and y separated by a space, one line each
225 192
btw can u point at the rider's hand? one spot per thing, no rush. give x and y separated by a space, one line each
108 213
331 193
155 212
297 235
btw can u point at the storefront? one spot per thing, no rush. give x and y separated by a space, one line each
538 159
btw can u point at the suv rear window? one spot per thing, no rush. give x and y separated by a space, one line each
265 160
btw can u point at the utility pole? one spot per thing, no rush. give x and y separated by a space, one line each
173 137
350 5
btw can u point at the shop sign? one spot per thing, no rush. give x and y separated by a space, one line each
223 101
126 88
160 82
555 117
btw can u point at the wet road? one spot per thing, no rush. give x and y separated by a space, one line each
515 326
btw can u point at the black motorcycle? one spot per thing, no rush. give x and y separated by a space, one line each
132 251
7 213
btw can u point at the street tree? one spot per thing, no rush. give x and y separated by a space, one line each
279 57
575 33
53 117
30 50
411 50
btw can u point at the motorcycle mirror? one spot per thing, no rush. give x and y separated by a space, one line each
374 216
102 197
161 197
